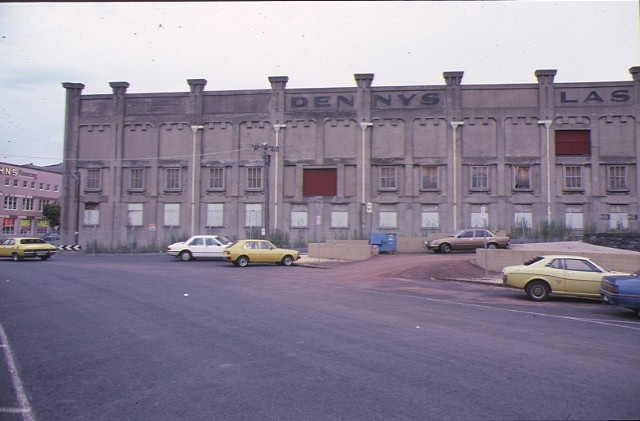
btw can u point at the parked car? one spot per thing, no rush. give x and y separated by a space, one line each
199 247
468 239
558 275
243 252
622 291
52 237
19 248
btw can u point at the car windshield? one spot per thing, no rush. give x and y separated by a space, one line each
223 240
456 234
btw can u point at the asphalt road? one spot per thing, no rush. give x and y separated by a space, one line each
146 337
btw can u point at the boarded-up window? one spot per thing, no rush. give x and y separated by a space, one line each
320 182
573 142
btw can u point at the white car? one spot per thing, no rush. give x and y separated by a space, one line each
200 247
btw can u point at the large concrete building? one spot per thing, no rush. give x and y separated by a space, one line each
317 164
25 191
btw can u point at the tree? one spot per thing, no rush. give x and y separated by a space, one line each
52 213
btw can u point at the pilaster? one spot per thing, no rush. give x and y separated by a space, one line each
115 166
70 200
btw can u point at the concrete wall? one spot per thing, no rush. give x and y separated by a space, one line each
350 250
498 259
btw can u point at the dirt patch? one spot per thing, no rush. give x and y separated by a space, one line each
412 266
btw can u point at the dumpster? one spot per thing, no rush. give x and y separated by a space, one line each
386 243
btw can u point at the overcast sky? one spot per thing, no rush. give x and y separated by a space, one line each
238 45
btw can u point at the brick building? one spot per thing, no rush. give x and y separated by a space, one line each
317 164
25 189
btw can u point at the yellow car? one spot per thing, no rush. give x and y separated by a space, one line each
19 248
558 275
243 252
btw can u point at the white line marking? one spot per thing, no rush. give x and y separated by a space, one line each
25 408
636 326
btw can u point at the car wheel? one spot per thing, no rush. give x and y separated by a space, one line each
492 246
185 256
287 260
16 257
242 261
538 290
44 257
445 248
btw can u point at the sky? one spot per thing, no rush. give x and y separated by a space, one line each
156 47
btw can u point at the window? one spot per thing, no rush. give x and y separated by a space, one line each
429 178
618 218
10 203
319 182
617 178
216 178
573 142
7 182
429 217
171 214
388 217
25 226
93 179
25 184
388 177
16 183
479 178
27 204
33 185
574 218
477 219
91 214
521 178
134 214
254 178
136 179
523 217
215 214
41 186
573 178
339 219
299 217
8 226
253 216
172 179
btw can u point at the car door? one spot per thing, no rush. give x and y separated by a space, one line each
269 252
582 277
465 240
554 273
6 249
197 247
214 249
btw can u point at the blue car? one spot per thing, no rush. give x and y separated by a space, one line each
622 291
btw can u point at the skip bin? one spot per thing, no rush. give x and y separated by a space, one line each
387 243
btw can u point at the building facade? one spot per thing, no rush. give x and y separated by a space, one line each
25 190
341 163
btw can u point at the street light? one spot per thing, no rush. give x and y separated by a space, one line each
547 125
194 129
266 158
454 126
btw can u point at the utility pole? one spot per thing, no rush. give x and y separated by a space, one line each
266 159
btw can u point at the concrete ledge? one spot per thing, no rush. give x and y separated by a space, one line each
351 250
610 258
